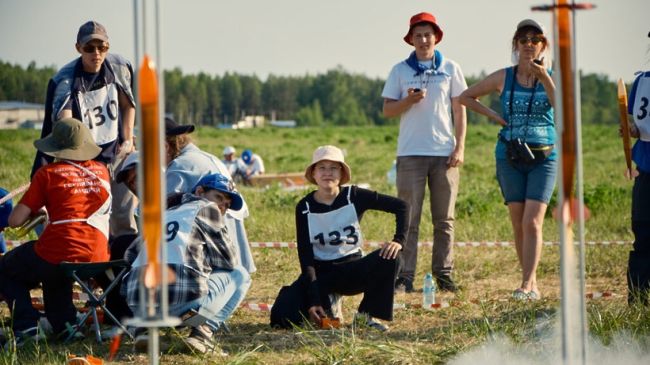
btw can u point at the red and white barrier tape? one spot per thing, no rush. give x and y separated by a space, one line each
257 307
14 193
265 307
377 244
37 302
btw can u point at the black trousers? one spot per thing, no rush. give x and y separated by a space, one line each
639 262
115 302
21 269
371 275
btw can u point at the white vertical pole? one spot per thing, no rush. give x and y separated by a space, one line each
581 204
164 294
151 315
560 123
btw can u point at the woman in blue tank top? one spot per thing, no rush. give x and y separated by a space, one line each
638 269
525 156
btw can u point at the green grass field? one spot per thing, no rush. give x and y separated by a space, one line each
483 322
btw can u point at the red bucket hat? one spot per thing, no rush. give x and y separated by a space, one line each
426 18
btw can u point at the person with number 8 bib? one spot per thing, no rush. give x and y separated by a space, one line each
526 165
330 244
638 272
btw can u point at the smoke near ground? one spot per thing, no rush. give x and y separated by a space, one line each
546 349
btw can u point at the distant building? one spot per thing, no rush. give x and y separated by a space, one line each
32 124
249 121
15 113
283 123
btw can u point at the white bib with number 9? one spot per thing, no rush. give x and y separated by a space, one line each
178 227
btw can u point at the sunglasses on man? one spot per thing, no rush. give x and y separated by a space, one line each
89 48
534 40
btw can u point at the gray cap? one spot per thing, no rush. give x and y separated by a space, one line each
91 30
531 23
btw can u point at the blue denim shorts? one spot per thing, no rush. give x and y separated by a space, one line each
520 182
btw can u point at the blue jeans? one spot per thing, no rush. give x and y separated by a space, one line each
226 290
527 182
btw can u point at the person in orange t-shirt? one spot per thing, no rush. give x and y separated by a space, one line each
75 192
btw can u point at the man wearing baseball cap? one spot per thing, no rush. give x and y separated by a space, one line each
96 88
186 165
423 92
253 165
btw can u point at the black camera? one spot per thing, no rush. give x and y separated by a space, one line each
519 152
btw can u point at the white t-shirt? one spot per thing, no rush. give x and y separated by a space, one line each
256 166
426 128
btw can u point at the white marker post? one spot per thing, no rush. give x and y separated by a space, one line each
153 313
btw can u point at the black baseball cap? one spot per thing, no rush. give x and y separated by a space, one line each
174 129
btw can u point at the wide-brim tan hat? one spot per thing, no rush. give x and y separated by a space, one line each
70 140
328 153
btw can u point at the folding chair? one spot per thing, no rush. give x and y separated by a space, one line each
82 273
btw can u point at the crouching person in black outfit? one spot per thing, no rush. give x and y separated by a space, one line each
329 248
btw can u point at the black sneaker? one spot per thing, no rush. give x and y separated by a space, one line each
200 341
141 341
445 283
365 320
404 285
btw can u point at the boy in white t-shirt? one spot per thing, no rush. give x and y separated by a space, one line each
423 91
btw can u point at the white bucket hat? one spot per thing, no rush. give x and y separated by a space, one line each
328 153
229 150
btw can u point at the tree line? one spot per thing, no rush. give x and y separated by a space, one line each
336 97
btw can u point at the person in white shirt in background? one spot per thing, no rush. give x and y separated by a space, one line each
234 164
253 164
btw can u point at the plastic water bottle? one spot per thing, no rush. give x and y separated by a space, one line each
428 291
391 175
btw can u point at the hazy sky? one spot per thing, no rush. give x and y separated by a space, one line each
295 37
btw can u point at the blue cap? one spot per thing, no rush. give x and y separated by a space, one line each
5 209
247 155
223 184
